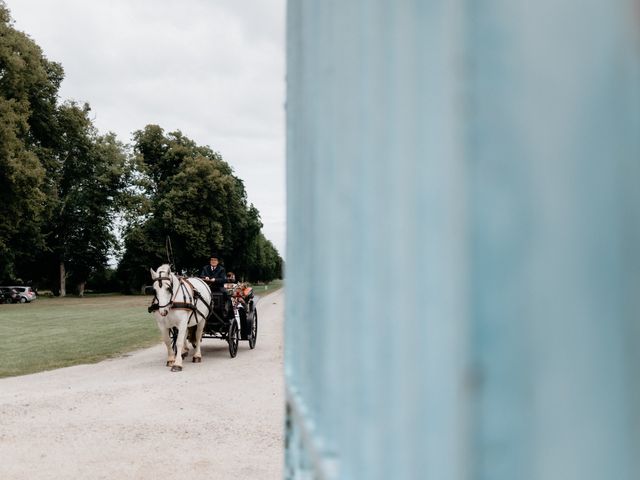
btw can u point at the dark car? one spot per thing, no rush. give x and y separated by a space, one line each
17 294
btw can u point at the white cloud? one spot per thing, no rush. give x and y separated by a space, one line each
212 69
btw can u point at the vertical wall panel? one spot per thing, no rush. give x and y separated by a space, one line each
380 208
551 104
463 229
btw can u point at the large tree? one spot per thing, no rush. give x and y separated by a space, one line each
59 178
193 198
29 86
89 177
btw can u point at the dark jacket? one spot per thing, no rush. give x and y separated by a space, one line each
218 274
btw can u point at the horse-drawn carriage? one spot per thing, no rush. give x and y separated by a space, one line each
187 310
233 317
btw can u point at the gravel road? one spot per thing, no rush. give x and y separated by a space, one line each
130 418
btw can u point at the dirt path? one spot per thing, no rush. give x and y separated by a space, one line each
130 418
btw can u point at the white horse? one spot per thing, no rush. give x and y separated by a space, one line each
183 303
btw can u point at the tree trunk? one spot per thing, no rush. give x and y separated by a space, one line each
81 286
63 280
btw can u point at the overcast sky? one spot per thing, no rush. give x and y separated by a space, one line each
213 69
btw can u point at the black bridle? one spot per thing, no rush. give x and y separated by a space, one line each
190 294
156 301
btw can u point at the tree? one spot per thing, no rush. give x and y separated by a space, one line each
28 90
60 181
193 198
265 262
21 192
90 178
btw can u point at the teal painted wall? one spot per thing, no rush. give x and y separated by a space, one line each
463 256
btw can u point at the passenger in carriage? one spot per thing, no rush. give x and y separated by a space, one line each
230 281
214 274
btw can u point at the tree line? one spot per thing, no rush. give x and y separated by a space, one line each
65 189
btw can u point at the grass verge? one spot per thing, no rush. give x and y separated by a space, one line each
58 332
262 290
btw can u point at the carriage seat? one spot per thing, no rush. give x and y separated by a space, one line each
218 299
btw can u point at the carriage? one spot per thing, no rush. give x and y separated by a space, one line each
187 310
233 317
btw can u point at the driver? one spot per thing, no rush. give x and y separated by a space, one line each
214 274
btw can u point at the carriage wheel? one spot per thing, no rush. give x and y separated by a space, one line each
233 339
253 336
173 333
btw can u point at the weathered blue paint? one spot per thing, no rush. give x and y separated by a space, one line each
463 266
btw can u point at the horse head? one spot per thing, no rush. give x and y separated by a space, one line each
163 283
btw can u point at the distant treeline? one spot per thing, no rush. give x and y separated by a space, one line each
65 189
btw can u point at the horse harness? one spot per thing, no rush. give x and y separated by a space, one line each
189 301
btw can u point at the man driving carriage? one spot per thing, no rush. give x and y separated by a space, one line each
214 274
240 295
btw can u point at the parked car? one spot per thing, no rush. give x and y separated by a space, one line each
8 295
18 293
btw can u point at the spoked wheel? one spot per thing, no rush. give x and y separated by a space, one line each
173 333
253 336
233 339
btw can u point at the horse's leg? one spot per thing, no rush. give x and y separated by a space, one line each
167 341
197 356
182 334
185 347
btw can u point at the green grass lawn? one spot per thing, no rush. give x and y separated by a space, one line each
57 332
266 289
